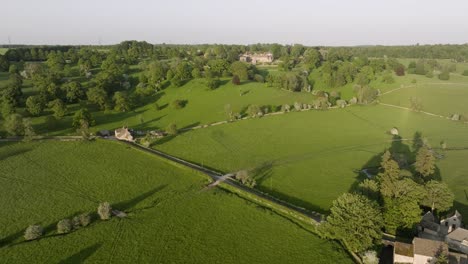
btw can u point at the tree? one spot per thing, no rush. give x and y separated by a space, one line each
4 64
14 125
172 129
97 95
82 114
365 94
121 101
312 58
425 162
240 69
254 110
212 83
401 213
59 108
355 220
73 91
438 196
105 211
244 177
35 105
370 188
64 226
85 219
235 80
83 130
28 130
33 232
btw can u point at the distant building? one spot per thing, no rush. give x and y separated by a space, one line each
256 58
124 134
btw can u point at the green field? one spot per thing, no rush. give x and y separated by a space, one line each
312 157
438 97
170 220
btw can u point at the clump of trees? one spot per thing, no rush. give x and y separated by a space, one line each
64 226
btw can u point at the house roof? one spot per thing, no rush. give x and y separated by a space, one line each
456 258
427 247
403 249
458 234
429 221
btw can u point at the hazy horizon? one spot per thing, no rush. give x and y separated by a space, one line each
312 23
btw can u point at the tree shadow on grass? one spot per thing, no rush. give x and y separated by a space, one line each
82 255
129 204
8 153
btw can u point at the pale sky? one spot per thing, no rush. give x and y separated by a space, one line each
309 22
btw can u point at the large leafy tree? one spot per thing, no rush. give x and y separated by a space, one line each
400 213
240 69
355 220
438 196
82 116
425 162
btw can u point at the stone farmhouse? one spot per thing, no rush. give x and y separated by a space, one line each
124 134
435 237
257 58
421 251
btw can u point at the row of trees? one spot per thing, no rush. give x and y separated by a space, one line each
66 226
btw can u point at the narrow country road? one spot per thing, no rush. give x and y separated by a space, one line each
218 176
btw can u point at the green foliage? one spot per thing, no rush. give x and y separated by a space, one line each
35 105
245 178
365 94
425 162
33 232
212 83
122 102
59 108
444 75
178 104
104 211
85 115
235 80
240 69
97 95
355 220
401 214
14 125
438 196
465 73
64 226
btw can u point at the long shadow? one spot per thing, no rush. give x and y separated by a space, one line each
81 255
262 172
129 204
8 153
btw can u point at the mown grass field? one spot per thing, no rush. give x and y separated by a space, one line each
169 219
310 158
438 97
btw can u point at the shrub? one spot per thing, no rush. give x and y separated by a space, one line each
465 73
414 81
400 70
254 111
172 129
285 108
85 219
64 226
33 232
212 83
244 177
104 211
259 78
388 78
444 76
176 81
429 74
179 104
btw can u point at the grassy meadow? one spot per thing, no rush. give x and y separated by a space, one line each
170 220
310 158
